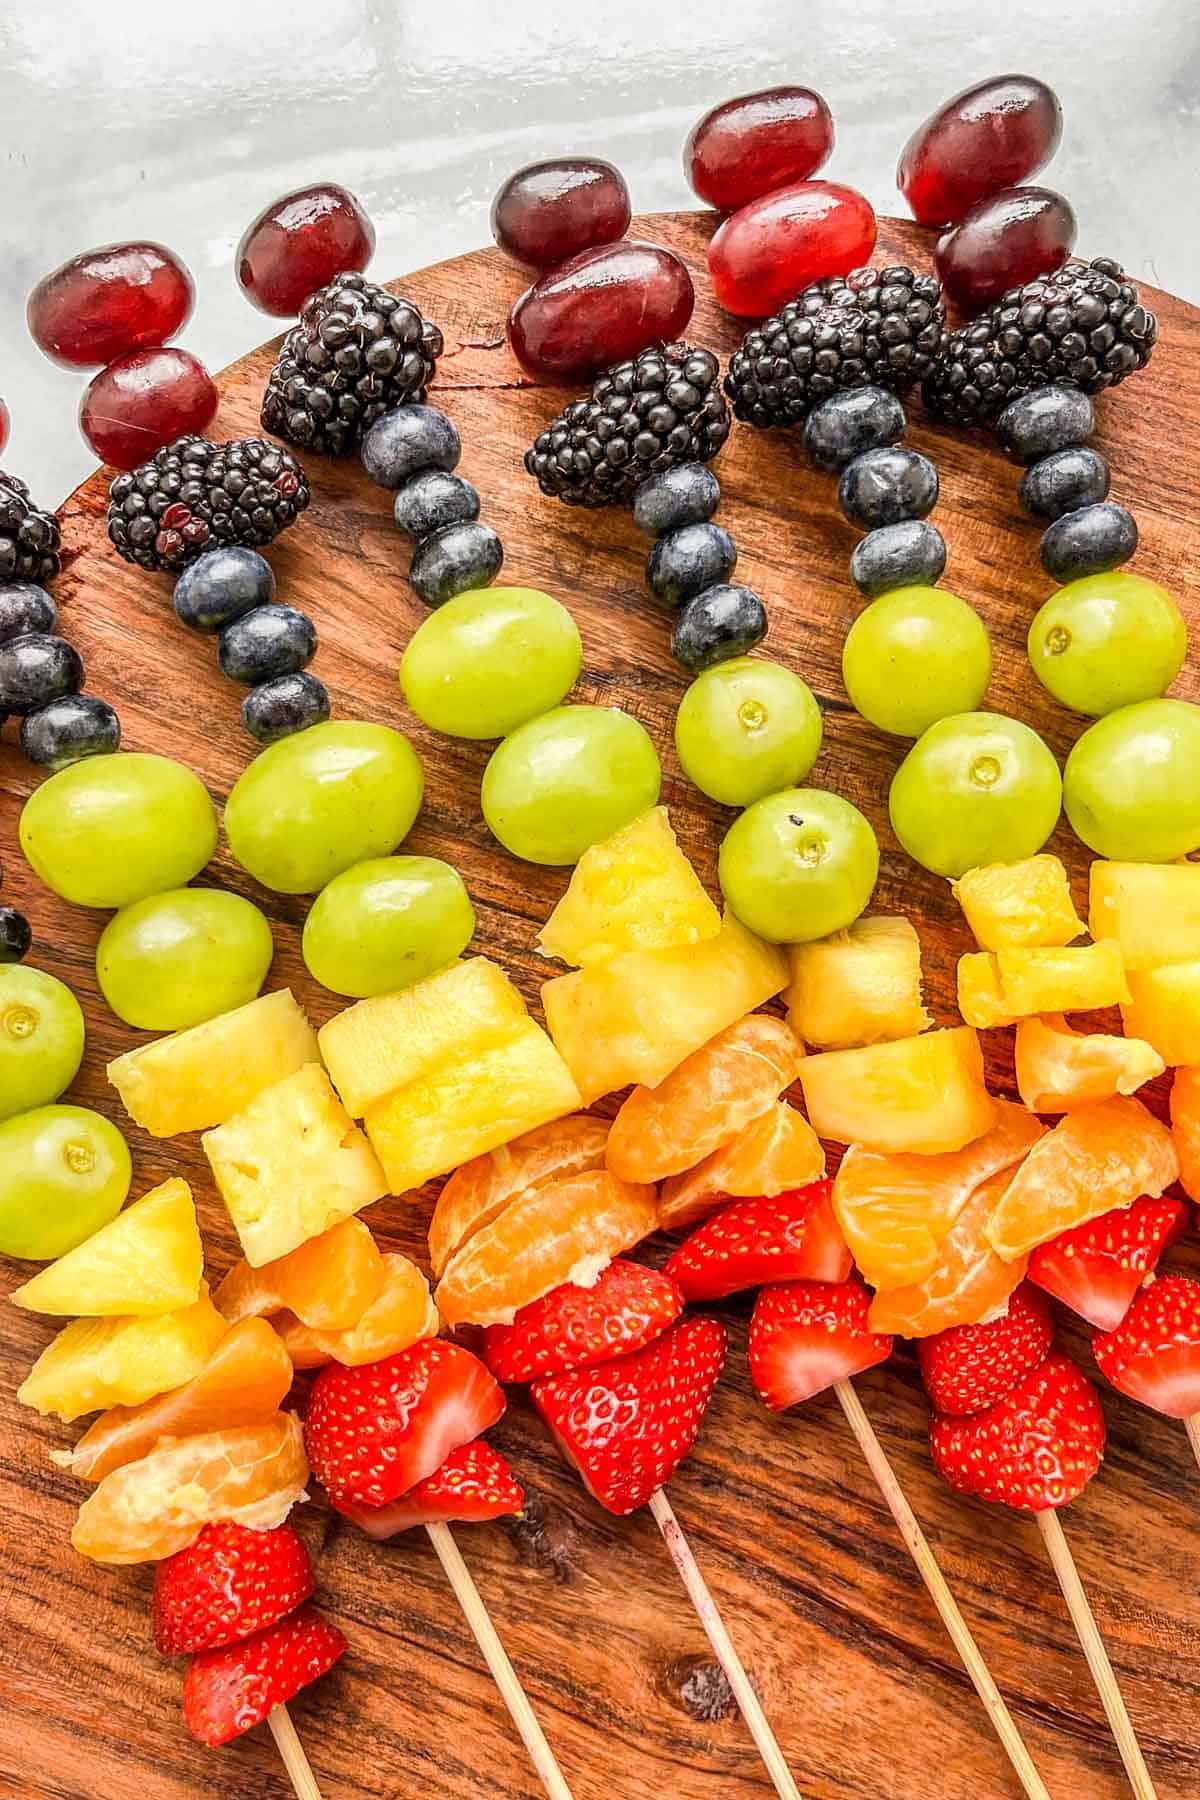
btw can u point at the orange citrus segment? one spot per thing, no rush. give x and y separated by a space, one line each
922 1094
401 1313
1059 1069
1185 1128
776 1154
328 1282
483 1187
968 1282
1103 1156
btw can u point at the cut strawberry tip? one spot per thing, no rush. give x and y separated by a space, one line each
808 1335
1153 1356
1034 1450
968 1368
230 1584
227 1692
792 1236
1098 1267
473 1485
573 1327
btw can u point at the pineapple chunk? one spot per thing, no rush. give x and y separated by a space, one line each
635 1017
468 1105
1019 906
201 1077
998 987
384 1043
1164 1009
291 1165
149 1259
635 891
95 1363
861 986
924 1094
1152 909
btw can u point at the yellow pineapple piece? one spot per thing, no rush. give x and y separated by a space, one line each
291 1164
998 987
924 1094
1019 906
635 891
861 986
149 1259
96 1363
1151 909
635 1017
201 1077
1164 1009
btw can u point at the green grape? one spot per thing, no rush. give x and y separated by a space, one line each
485 662
316 803
914 656
1107 641
112 829
64 1172
563 782
383 925
745 729
1132 783
799 865
179 958
976 788
41 1038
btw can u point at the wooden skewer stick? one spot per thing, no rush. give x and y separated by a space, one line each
927 1567
718 1637
496 1657
292 1751
1111 1698
1192 1427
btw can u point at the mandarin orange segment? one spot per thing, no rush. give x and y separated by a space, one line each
1059 1069
568 1231
1185 1128
1151 909
1021 905
714 1093
483 1187
401 1314
998 987
328 1282
775 1154
922 1094
860 986
968 1281
145 1510
1103 1156
1164 1009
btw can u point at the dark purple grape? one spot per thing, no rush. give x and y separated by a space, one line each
990 137
1003 243
549 211
757 143
603 307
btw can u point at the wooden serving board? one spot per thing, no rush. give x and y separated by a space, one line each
862 1684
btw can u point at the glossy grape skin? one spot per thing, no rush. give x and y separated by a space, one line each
562 782
384 924
36 668
1131 786
798 865
299 243
176 959
65 730
600 308
25 607
41 1039
757 143
311 805
104 303
745 729
487 661
64 1172
5 425
771 250
547 212
1107 641
914 656
976 788
145 400
284 705
992 136
111 829
1002 243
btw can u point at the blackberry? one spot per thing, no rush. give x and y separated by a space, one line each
662 408
29 538
1084 327
194 495
357 352
873 328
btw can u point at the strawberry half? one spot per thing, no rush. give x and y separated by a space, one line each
791 1237
628 1425
1037 1448
969 1367
226 1586
228 1691
373 1432
1154 1354
573 1327
1097 1268
473 1484
807 1335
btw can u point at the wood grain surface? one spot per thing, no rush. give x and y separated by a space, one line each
843 1644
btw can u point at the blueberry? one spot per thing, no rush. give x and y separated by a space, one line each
406 440
882 487
1051 418
688 494
842 427
287 704
896 556
1063 482
1089 541
66 730
265 642
221 585
432 499
723 621
15 935
688 560
35 668
453 560
25 607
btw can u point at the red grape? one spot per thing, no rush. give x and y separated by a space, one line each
105 303
143 401
4 424
754 144
600 308
770 251
550 211
987 138
1003 243
299 243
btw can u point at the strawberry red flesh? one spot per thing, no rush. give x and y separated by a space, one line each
1154 1353
473 1484
229 1584
807 1335
1097 1268
1035 1449
574 1327
229 1691
970 1367
791 1237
